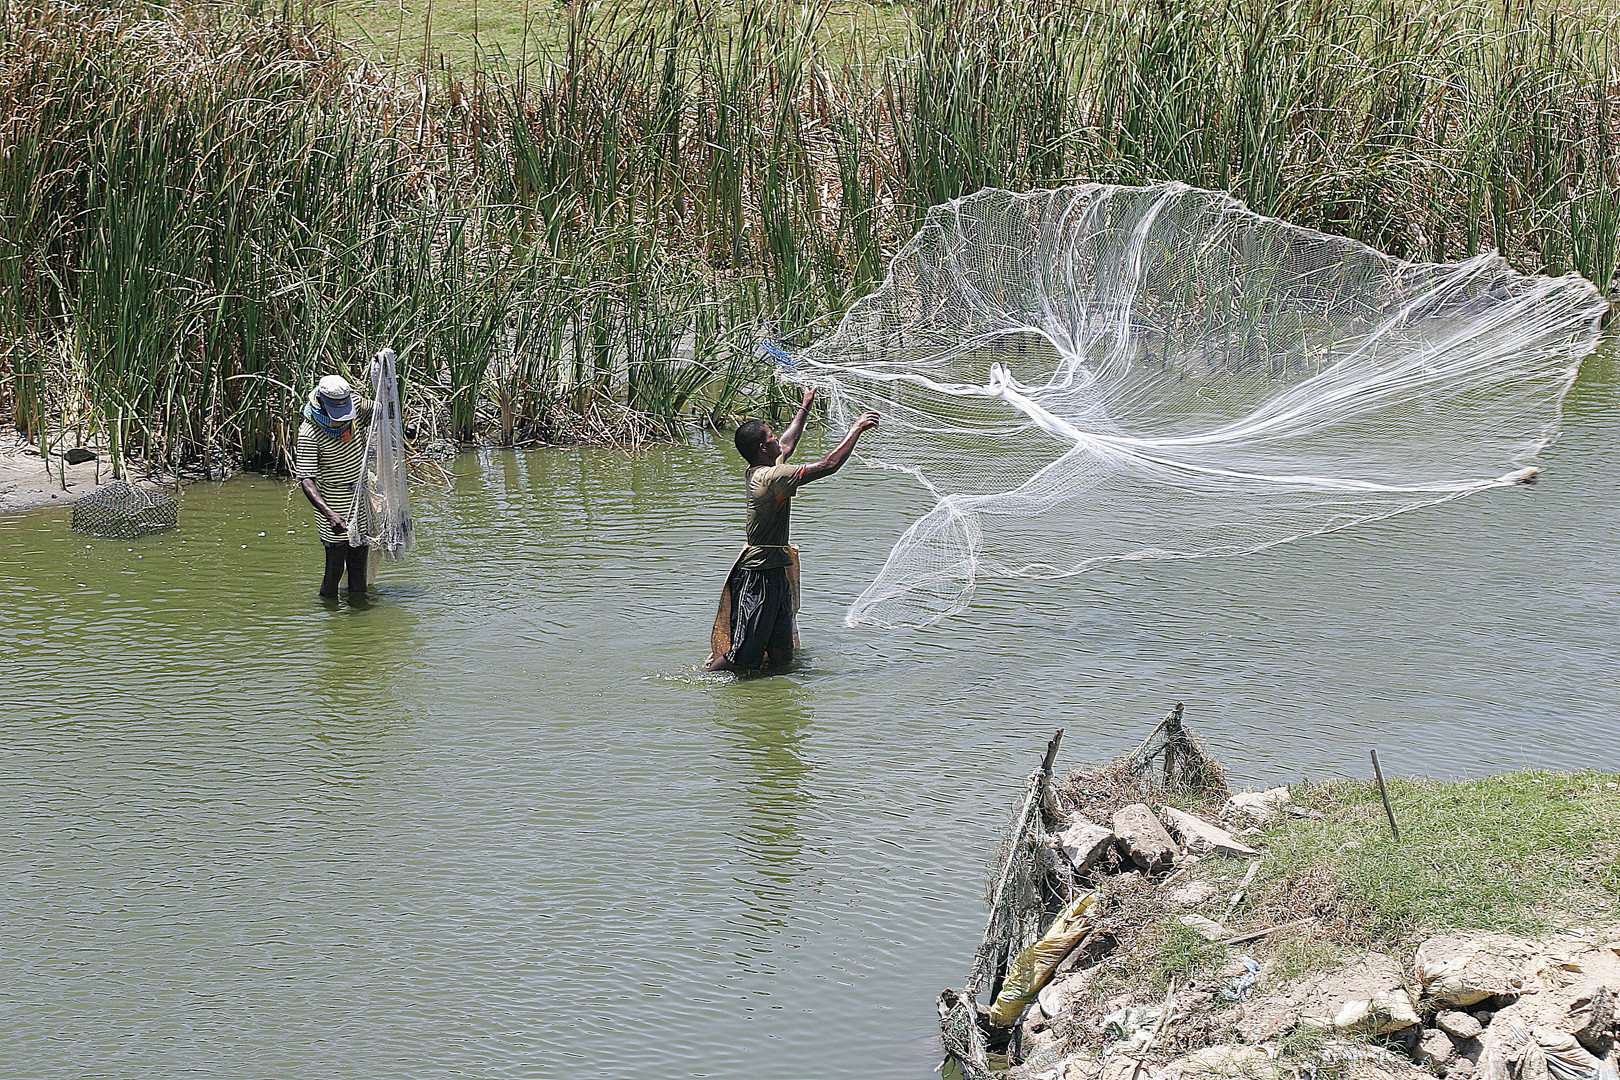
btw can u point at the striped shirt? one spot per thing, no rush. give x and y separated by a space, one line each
334 465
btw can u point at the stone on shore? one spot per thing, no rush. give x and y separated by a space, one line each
1201 838
1365 992
1224 1063
1208 929
1380 1014
1458 1024
1258 806
1085 844
1143 839
1435 1049
1191 895
1593 1019
1465 969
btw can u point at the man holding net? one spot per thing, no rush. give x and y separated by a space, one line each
330 456
755 624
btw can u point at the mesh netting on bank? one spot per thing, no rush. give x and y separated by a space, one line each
1102 373
123 511
1034 883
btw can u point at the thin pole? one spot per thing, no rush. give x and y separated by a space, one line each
1051 752
1379 773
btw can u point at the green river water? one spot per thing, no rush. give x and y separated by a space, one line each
493 824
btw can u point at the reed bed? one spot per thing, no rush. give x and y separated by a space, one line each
207 205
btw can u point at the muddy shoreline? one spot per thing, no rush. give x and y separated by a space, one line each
25 483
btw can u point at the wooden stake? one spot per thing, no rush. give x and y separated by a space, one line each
1051 752
1243 887
1379 773
1241 938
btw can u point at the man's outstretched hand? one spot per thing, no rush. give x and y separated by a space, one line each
839 454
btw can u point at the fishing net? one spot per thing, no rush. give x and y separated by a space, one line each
1037 895
1018 907
1187 766
380 515
1172 760
1030 886
1102 373
122 511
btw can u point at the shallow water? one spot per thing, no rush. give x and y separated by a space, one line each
493 824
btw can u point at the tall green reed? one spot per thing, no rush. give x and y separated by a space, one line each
207 207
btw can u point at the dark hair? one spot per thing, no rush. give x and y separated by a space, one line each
750 438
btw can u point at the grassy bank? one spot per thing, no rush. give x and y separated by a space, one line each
1527 853
204 205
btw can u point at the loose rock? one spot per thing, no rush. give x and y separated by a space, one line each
1592 1019
1224 1063
1320 1000
1458 1024
79 455
1208 929
1192 894
1384 1012
1258 806
1468 968
1085 844
1201 838
1056 995
1434 1050
1143 839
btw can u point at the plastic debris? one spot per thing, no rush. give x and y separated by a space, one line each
1132 1028
1032 968
1242 984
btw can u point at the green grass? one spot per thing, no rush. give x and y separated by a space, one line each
1526 852
508 34
207 201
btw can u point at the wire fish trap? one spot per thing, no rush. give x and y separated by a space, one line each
122 512
1172 759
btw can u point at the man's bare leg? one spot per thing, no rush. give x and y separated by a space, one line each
718 663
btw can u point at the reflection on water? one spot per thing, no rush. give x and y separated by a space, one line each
767 727
493 822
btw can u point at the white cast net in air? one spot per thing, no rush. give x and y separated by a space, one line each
1100 373
380 515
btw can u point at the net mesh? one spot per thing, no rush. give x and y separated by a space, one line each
1033 883
1100 373
380 514
122 511
1030 886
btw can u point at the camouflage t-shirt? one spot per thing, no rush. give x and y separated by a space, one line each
770 501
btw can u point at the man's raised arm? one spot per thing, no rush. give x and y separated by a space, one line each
839 454
790 437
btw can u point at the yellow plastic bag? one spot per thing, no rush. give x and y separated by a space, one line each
1032 968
